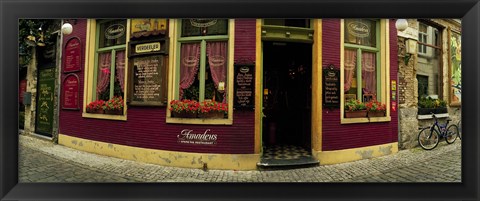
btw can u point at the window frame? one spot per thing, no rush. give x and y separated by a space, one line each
174 70
383 70
91 65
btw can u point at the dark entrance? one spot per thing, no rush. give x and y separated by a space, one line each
287 81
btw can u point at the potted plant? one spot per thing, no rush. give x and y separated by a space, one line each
96 107
428 105
375 109
213 109
355 109
185 108
441 107
114 106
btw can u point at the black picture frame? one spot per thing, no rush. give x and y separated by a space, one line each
11 11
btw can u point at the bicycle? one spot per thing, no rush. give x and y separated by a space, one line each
429 137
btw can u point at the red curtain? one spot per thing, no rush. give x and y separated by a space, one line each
369 73
189 63
350 66
120 68
217 60
103 74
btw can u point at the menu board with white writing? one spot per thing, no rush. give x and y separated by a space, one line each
148 87
70 92
244 87
331 88
73 54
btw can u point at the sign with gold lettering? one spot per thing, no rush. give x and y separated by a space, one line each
244 84
45 101
70 92
331 87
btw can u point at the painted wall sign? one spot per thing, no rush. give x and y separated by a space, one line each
73 55
147 47
188 136
114 31
147 27
331 87
358 29
148 86
70 92
244 87
45 100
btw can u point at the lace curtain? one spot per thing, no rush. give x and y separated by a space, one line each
217 60
369 73
103 75
350 67
189 60
120 68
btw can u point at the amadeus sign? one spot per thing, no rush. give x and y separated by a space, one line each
188 136
358 29
114 31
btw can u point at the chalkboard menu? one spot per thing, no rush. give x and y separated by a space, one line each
45 106
149 84
70 92
244 87
73 54
331 87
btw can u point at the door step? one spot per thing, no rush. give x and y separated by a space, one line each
300 162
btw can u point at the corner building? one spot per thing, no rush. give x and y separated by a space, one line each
283 85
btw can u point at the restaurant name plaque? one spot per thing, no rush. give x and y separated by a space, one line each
331 88
148 84
244 87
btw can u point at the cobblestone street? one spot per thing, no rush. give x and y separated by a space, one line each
43 161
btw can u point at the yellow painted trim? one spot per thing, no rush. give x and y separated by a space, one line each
161 157
90 70
172 33
316 134
173 26
349 155
258 83
385 75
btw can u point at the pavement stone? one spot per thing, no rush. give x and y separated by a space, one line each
43 161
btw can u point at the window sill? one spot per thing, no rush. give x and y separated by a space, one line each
199 121
105 116
364 120
429 116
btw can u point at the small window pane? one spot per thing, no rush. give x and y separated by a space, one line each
204 27
369 75
350 73
189 68
360 32
112 33
103 76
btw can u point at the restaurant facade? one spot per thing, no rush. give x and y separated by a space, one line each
230 93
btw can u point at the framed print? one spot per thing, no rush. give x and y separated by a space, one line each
242 100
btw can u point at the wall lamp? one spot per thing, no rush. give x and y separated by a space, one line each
401 24
67 28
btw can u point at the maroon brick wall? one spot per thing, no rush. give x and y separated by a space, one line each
145 126
338 136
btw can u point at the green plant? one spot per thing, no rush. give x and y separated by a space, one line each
184 105
428 102
31 31
354 105
116 103
213 106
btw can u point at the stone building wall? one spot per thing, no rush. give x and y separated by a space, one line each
30 110
408 84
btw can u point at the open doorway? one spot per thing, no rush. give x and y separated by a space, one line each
287 81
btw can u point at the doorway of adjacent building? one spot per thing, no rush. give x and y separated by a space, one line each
287 75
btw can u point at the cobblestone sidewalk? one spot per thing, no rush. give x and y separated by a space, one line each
43 161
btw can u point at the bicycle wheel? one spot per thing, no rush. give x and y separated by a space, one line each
452 132
428 139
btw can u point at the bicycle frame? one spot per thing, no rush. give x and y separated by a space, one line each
438 126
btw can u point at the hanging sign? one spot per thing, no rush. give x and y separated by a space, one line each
244 85
147 27
73 54
114 31
331 87
70 92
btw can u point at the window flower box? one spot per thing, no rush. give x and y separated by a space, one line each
375 109
114 112
184 114
212 115
356 114
376 114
